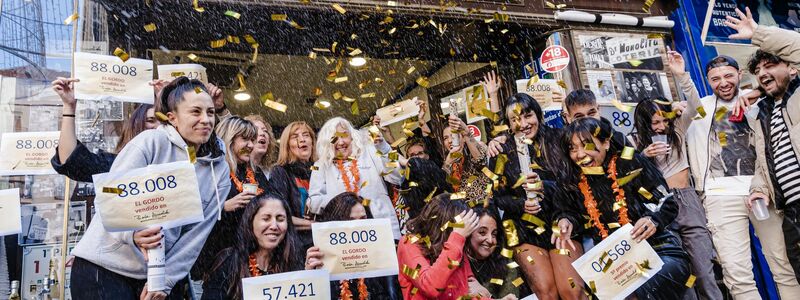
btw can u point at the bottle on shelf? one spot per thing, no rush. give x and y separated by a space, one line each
14 291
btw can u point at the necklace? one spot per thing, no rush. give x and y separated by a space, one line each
253 266
591 205
353 171
251 178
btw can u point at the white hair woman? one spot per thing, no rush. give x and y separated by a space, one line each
349 162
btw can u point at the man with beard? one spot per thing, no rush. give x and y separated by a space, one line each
722 162
777 136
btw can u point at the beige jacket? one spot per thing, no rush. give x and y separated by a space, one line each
786 45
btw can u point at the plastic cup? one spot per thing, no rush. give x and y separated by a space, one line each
660 138
250 188
760 209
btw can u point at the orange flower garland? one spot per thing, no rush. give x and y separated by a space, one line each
591 205
253 264
251 178
354 171
346 294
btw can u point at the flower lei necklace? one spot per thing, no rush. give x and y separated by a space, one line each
251 178
346 294
253 264
354 171
591 205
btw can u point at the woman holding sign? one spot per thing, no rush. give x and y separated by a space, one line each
529 167
349 162
266 243
465 160
114 264
613 190
247 182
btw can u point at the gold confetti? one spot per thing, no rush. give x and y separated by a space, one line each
423 81
609 262
562 84
720 113
496 281
562 251
178 74
398 142
233 14
430 195
592 287
620 106
193 57
192 154
392 165
489 173
589 147
530 259
520 181
339 8
161 116
363 184
701 111
275 105
690 281
365 202
458 195
340 79
218 43
369 95
452 264
112 190
532 219
512 265
723 139
279 17
627 153
633 174
508 253
197 7
593 170
554 6
410 70
596 131
645 193
121 54
150 27
585 160
667 115
198 90
71 19
635 62
519 281
571 282
511 233
500 164
312 55
655 36
354 108
498 129
355 52
314 168
613 225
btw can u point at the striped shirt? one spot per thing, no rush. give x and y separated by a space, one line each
787 168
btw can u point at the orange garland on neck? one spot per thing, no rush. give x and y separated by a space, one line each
253 264
346 294
251 178
354 171
591 205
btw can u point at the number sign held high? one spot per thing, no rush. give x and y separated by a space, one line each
192 71
104 77
356 249
163 194
27 153
306 285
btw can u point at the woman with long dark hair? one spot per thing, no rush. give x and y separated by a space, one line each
530 168
594 188
483 250
113 264
345 207
465 161
266 244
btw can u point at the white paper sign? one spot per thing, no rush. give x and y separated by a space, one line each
28 153
625 274
163 194
356 249
541 90
11 220
397 112
104 77
306 285
192 71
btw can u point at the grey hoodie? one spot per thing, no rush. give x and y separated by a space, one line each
116 252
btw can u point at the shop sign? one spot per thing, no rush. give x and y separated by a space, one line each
475 131
554 58
783 14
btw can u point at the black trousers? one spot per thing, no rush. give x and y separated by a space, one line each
670 282
90 281
791 235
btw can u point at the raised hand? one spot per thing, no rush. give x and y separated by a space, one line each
64 88
676 63
491 82
745 25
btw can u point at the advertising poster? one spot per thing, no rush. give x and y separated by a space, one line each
784 14
602 85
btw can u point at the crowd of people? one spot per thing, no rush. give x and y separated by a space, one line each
528 203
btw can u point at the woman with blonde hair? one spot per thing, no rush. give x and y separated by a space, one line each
263 155
349 162
239 136
291 174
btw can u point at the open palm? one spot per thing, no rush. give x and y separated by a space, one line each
745 25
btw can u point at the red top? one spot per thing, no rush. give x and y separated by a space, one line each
435 281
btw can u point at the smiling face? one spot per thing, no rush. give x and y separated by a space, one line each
582 111
193 118
418 150
447 139
526 124
262 140
774 77
724 81
242 149
587 158
646 83
342 145
300 143
270 225
484 240
659 124
150 122
358 212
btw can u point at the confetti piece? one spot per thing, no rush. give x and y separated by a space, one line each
198 90
312 55
121 54
589 147
354 108
399 142
423 81
458 195
489 173
508 253
609 262
314 168
496 281
279 17
620 106
355 52
500 163
635 62
512 265
150 27
532 219
667 114
517 282
218 43
655 36
645 193
562 251
627 153
633 174
340 79
452 264
233 14
197 7
369 95
392 165
112 190
723 139
593 170
161 116
71 19
430 195
571 282
613 225
363 184
661 102
510 229
520 181
193 57
275 105
530 259
554 6
593 287
720 113
585 160
366 202
339 8
690 281
192 154
701 111
596 131
498 129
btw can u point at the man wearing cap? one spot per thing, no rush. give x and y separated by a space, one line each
777 132
722 161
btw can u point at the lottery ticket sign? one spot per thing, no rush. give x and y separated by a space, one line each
191 71
618 265
104 77
165 194
27 153
306 285
356 249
